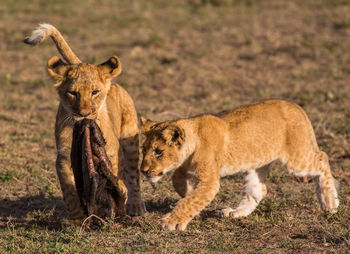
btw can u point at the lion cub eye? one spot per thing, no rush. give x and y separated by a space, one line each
95 92
73 93
157 152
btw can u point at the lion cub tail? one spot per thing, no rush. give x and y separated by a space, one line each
46 30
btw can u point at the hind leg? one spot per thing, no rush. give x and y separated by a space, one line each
255 190
326 185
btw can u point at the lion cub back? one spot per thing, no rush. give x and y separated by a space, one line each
263 132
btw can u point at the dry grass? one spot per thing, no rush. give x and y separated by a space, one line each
180 58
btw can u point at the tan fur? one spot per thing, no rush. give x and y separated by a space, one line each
85 91
245 139
46 30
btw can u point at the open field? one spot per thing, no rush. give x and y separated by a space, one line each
179 58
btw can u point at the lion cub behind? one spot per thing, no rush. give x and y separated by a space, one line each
245 139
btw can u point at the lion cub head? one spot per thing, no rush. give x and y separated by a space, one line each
83 87
162 149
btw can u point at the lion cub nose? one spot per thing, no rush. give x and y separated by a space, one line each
84 114
145 171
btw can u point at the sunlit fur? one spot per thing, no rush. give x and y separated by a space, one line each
245 139
83 80
85 91
156 166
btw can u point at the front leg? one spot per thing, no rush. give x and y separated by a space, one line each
63 134
66 178
192 204
116 157
134 205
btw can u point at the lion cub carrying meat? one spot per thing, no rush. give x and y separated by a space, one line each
242 140
85 91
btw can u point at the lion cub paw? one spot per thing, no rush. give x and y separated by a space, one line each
172 222
136 209
235 213
225 212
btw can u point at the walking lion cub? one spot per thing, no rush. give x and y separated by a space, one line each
245 139
86 92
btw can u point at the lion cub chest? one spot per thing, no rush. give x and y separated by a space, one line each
110 133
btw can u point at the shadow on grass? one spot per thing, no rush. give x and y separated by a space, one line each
36 210
167 205
210 214
160 206
50 212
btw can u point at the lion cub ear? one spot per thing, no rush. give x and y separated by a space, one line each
57 68
111 68
146 124
174 135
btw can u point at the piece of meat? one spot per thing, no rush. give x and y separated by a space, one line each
90 175
92 169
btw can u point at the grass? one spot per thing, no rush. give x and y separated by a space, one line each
179 58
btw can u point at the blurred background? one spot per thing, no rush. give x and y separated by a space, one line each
179 58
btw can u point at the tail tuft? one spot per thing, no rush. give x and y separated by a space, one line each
33 41
40 34
46 30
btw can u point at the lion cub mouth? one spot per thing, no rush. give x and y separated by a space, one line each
154 179
78 118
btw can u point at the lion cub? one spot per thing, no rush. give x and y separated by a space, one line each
87 92
245 139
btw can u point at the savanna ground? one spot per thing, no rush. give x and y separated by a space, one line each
179 58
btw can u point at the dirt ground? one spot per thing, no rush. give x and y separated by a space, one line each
179 58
